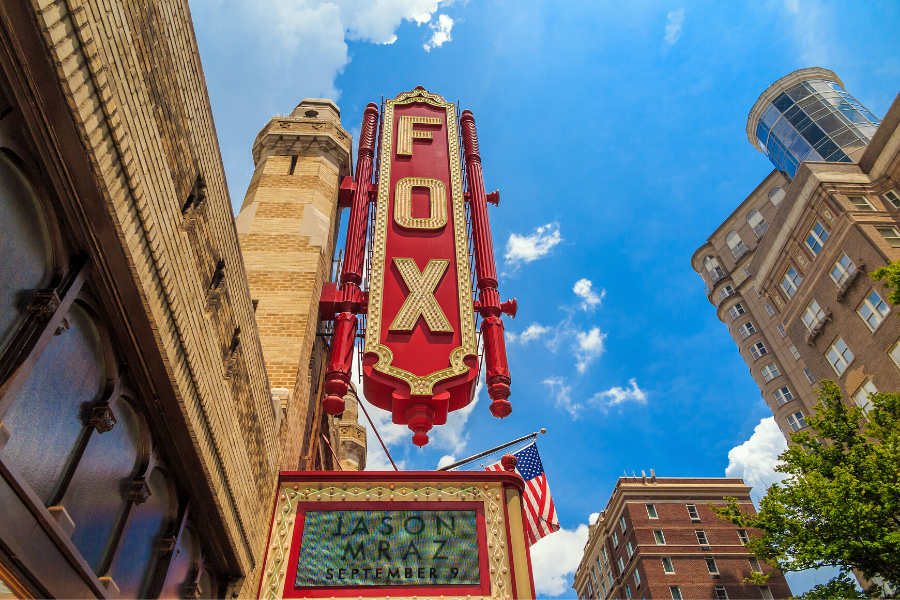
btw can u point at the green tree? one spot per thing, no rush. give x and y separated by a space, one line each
892 274
839 504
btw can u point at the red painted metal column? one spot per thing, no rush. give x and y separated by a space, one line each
498 379
337 377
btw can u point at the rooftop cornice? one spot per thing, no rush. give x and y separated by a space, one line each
779 86
292 135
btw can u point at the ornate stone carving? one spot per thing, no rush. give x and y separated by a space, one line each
216 288
102 418
140 491
231 356
44 304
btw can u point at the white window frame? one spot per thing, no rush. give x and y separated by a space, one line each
621 565
675 592
783 395
890 235
769 309
796 423
629 549
743 536
758 223
795 352
875 310
623 524
736 245
637 580
651 511
758 350
861 396
615 538
754 564
781 330
746 330
818 238
692 512
845 271
892 197
790 283
723 595
766 593
770 372
659 535
726 292
711 564
666 560
813 315
866 203
736 311
699 533
837 355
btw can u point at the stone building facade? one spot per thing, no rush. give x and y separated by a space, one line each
792 286
658 538
145 407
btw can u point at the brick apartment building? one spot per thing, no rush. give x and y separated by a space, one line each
149 381
786 271
658 538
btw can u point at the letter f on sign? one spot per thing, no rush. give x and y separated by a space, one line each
421 300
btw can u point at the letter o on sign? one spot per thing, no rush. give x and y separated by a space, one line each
406 525
437 196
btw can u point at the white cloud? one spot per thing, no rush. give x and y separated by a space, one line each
588 347
555 556
593 518
755 460
308 36
448 459
533 332
674 21
562 395
589 297
528 248
441 33
617 395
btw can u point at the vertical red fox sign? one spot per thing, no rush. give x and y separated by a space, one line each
420 357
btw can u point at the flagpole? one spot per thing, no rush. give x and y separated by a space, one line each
492 450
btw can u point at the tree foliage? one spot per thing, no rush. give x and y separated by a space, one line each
892 274
839 504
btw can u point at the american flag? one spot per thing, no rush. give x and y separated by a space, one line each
539 510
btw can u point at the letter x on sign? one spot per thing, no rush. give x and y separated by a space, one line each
421 300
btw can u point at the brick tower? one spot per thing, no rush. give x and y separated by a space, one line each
288 226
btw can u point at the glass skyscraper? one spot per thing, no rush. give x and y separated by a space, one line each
809 116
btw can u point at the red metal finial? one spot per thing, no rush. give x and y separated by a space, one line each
509 462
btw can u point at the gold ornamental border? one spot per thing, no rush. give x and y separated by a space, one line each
420 386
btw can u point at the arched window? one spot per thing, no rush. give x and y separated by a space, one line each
183 568
776 195
25 248
46 419
98 493
738 249
139 551
756 221
713 269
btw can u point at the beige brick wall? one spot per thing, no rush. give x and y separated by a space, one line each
134 84
288 227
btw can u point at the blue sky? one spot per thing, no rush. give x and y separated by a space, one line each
616 135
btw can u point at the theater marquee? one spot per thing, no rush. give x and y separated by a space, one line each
347 535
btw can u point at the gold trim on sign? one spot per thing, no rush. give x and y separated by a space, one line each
437 201
420 386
